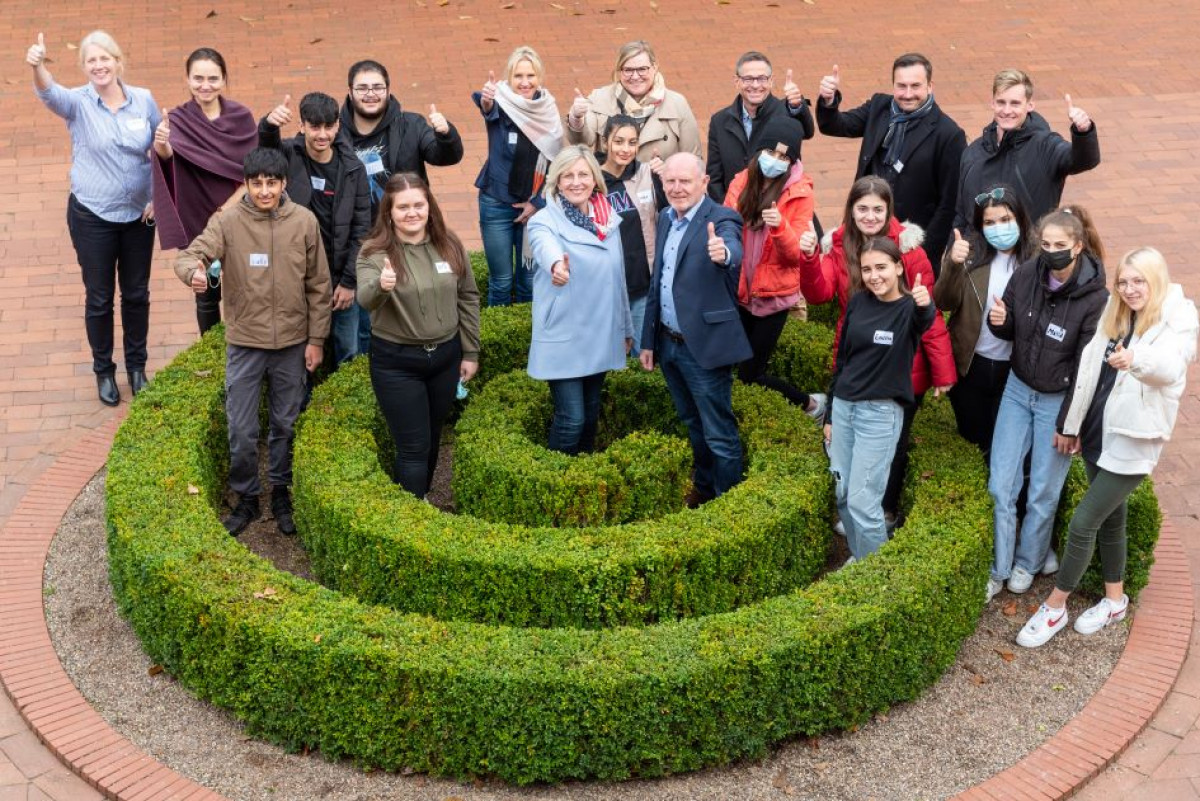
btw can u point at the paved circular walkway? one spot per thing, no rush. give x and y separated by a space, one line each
1128 64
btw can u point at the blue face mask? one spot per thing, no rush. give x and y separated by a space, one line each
1002 236
770 166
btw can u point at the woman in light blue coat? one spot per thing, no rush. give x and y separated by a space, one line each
581 323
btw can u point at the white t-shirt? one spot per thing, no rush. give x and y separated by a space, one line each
989 345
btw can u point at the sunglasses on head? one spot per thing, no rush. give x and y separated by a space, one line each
996 194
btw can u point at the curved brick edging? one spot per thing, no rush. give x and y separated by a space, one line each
61 718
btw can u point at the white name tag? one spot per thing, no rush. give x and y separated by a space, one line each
318 183
883 337
645 197
1057 333
442 267
135 124
512 138
898 166
374 167
259 260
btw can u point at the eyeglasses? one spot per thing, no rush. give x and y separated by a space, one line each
374 89
996 194
640 72
1131 283
754 80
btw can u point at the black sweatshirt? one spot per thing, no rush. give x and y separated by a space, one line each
879 341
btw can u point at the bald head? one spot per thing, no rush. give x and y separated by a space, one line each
684 181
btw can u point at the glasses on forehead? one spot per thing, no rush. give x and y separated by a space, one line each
640 72
996 194
373 89
754 80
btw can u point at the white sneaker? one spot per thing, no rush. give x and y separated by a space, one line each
993 588
1050 566
1101 615
840 528
849 562
1044 624
1020 580
818 412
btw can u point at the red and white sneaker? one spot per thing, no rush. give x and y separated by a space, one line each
1044 624
1101 615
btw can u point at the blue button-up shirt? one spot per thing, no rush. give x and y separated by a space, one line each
747 121
666 302
110 171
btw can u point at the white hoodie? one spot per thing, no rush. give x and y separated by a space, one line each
1141 409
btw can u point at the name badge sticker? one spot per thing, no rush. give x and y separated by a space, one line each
259 260
898 166
135 123
1056 332
883 337
318 183
645 197
442 267
374 167
512 138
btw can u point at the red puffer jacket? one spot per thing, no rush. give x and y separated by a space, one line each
824 277
778 271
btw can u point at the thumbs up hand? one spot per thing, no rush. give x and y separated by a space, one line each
829 86
438 122
487 95
716 246
560 271
579 106
920 294
791 91
960 249
281 115
771 217
162 137
1079 118
36 55
808 240
1120 358
387 276
999 313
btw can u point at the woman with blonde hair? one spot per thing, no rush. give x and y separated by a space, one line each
109 213
1122 409
525 133
638 90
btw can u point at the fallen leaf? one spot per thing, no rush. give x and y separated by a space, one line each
814 743
406 771
654 6
155 670
1009 609
443 2
211 14
556 5
317 639
193 489
881 718
202 373
1031 608
978 680
928 474
314 41
490 39
780 781
72 46
1058 688
250 19
269 592
1005 654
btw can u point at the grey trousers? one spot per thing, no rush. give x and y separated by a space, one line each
1099 519
245 369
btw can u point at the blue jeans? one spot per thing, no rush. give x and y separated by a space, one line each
502 247
703 400
861 448
576 413
637 310
1025 424
364 329
343 330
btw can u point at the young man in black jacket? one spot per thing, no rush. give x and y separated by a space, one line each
1019 149
735 132
327 178
908 141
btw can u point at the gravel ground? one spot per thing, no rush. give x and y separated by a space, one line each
994 705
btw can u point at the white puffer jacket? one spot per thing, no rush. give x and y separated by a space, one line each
1141 409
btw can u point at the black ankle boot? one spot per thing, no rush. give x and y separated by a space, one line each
245 513
281 509
137 380
106 384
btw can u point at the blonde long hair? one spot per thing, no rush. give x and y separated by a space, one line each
1118 317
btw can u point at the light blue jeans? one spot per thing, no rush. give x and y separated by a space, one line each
637 310
1025 424
861 448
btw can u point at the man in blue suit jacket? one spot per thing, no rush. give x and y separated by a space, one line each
692 328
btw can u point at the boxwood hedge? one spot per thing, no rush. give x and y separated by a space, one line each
308 667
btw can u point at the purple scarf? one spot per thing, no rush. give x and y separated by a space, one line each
205 170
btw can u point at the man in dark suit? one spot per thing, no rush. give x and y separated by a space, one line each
692 328
907 141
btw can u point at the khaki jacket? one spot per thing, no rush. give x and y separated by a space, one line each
670 129
274 276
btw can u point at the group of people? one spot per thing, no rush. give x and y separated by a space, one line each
628 241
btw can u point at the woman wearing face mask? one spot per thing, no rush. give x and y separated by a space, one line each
109 213
1049 312
200 147
581 322
1121 410
639 91
774 197
635 193
881 332
835 274
975 269
525 133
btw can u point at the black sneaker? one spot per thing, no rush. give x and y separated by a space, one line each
245 513
281 508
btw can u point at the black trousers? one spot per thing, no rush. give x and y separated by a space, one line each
112 254
415 389
763 333
891 495
976 401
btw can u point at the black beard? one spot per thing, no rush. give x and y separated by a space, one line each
360 111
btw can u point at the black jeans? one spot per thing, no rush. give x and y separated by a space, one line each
415 389
976 401
891 495
110 254
763 333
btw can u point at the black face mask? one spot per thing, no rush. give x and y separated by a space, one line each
1055 259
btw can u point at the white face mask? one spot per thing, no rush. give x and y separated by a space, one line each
770 166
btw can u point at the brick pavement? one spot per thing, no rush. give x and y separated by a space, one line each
1128 64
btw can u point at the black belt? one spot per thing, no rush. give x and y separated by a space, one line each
674 336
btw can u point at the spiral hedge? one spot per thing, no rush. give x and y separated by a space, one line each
306 666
